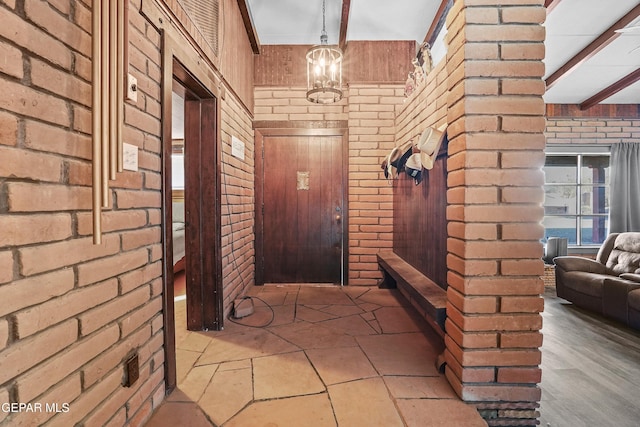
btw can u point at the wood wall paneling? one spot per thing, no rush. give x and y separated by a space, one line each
420 222
600 110
284 65
379 61
281 65
236 58
234 61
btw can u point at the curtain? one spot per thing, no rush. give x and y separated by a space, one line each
624 203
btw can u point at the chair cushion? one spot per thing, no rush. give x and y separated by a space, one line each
585 283
631 276
634 300
624 262
625 255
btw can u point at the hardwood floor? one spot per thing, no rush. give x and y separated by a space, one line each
590 369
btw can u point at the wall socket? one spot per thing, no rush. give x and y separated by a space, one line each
132 88
132 370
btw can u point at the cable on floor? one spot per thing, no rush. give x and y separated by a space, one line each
273 314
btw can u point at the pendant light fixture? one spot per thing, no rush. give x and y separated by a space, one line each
324 70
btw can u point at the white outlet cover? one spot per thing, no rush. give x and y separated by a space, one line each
129 157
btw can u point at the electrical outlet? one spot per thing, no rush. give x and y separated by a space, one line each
132 88
132 370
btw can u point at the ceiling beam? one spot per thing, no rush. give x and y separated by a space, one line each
438 21
344 23
551 4
594 47
249 27
623 83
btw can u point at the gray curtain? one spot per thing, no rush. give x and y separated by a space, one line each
624 204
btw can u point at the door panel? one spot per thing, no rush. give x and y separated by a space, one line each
192 209
303 231
202 224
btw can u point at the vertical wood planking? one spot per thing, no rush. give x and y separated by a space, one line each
193 213
419 216
284 65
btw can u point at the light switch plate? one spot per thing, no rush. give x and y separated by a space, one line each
132 88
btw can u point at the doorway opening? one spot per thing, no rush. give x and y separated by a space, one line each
191 199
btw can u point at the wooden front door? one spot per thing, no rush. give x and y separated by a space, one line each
303 209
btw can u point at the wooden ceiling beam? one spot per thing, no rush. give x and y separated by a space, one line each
344 24
249 27
438 21
594 47
621 84
551 4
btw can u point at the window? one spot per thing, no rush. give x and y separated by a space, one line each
576 202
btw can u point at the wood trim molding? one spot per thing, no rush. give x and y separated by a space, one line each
196 73
438 21
551 4
594 47
623 83
264 125
248 25
344 24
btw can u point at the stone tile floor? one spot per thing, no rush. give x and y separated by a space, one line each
314 356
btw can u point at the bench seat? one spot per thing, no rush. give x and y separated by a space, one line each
423 293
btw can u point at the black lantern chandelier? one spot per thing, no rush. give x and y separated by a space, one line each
324 70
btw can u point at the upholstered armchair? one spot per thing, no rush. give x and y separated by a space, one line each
610 284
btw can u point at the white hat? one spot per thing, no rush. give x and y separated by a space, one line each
397 159
413 168
429 145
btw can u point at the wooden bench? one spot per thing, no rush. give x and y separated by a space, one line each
424 294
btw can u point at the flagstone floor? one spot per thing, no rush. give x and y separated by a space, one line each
314 356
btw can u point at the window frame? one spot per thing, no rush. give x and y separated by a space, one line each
579 151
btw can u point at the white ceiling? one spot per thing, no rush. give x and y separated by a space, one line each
300 21
571 26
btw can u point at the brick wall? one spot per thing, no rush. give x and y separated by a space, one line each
280 103
72 312
496 150
427 106
592 130
238 208
370 112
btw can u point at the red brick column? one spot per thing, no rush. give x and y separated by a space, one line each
496 151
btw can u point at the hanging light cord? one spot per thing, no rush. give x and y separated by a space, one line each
324 29
324 39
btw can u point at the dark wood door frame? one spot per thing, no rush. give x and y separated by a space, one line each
202 203
301 128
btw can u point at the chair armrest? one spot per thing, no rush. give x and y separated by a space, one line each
631 276
575 263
